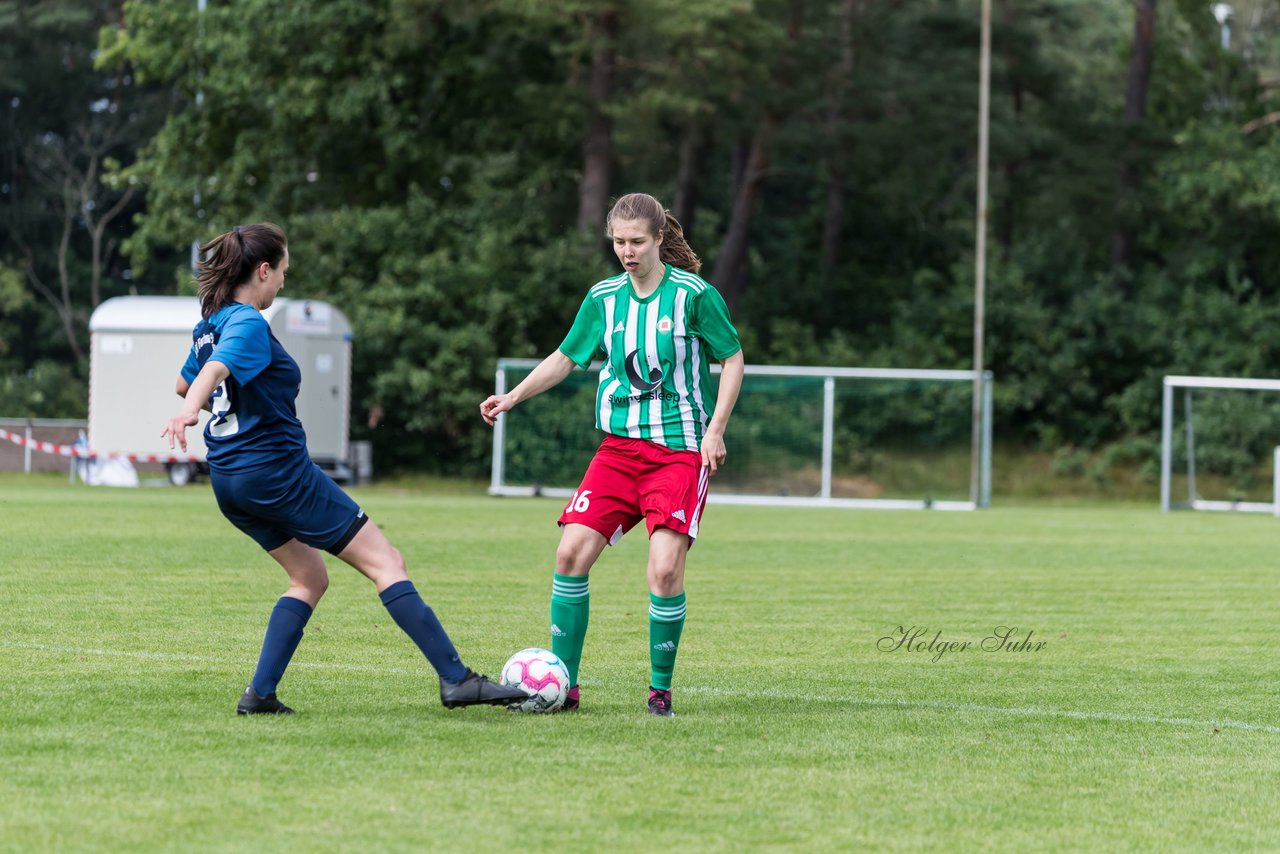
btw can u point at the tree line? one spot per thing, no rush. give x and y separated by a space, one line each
443 171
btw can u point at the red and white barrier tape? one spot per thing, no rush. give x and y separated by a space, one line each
85 453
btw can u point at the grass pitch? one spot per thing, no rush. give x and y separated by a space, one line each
1147 719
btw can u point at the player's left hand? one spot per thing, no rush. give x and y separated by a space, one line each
713 451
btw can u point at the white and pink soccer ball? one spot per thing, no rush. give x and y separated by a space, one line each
542 675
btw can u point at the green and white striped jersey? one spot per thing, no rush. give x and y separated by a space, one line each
655 383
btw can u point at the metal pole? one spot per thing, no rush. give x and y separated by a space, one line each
1191 450
828 432
984 493
980 253
1275 481
499 434
1166 445
26 451
80 443
196 199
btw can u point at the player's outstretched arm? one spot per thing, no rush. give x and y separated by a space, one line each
183 387
196 397
550 372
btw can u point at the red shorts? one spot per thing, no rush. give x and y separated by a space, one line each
633 479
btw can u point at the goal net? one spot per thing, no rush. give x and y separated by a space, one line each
1218 444
856 437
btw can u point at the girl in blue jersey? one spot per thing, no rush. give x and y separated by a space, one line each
267 485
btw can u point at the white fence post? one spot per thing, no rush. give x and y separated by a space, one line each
828 433
1275 481
499 434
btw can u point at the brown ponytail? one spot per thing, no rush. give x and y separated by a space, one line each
675 249
227 261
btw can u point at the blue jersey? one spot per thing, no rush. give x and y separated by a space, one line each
254 422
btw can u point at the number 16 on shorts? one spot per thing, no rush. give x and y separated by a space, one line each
579 502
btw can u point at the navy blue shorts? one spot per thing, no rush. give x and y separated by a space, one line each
276 504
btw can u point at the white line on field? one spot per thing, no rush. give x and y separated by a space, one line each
1021 711
976 708
201 659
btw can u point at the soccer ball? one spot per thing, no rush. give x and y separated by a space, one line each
542 675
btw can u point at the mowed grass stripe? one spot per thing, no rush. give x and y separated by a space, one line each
711 689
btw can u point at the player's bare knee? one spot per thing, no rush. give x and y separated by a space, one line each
389 567
664 577
310 589
573 558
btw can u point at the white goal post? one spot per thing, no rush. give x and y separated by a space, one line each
1194 501
811 471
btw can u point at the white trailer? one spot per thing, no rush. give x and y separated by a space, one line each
138 345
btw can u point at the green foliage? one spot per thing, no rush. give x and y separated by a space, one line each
62 121
14 297
405 202
435 299
424 157
549 442
51 389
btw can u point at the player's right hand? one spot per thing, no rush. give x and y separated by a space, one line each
494 405
177 429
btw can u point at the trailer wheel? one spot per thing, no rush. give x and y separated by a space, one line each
180 474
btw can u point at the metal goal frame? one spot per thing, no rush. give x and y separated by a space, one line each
1194 502
824 498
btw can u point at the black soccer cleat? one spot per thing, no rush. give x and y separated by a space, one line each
477 690
252 704
660 703
571 703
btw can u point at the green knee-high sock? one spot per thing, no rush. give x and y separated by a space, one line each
570 609
666 621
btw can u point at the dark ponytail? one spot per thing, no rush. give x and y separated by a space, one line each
228 261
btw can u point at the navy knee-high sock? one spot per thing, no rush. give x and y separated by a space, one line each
284 631
419 622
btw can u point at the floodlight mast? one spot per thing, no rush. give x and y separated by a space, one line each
196 199
1223 13
980 253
